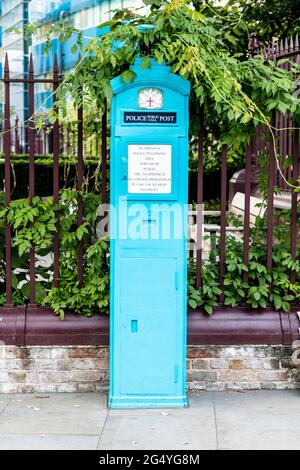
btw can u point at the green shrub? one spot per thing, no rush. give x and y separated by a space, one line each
35 225
254 293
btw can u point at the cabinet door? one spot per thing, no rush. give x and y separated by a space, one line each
149 326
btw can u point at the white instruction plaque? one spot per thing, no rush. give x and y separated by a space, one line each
149 169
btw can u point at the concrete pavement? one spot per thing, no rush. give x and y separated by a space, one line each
224 420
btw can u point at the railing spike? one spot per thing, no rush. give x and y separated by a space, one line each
291 48
6 64
286 45
31 69
265 53
30 61
281 46
297 43
254 45
55 66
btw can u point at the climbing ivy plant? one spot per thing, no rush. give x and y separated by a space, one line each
254 292
35 225
238 93
200 45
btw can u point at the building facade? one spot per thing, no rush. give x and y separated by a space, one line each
84 15
14 17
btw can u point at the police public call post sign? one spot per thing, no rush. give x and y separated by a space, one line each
136 117
148 226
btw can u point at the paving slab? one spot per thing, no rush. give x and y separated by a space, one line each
44 442
4 401
173 429
231 420
263 420
54 414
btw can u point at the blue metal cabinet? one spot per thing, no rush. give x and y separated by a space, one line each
148 225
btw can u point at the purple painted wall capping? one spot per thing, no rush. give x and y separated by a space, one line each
243 326
39 327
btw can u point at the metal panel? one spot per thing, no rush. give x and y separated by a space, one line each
148 240
148 323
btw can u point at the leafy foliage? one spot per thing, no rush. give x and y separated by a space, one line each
93 296
270 18
204 42
46 160
34 225
237 93
255 291
209 294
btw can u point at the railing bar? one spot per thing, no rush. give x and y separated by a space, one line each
246 247
79 187
286 134
104 155
290 145
285 149
27 80
200 196
217 228
270 208
56 149
31 142
289 136
279 121
223 219
294 231
17 141
7 143
286 54
255 151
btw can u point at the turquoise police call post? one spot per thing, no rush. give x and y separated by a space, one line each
149 193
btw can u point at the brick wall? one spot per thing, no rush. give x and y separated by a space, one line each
85 369
240 368
48 369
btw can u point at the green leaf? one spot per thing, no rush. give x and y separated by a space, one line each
74 49
257 295
286 306
128 76
192 303
209 309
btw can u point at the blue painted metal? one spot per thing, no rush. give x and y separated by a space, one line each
148 276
